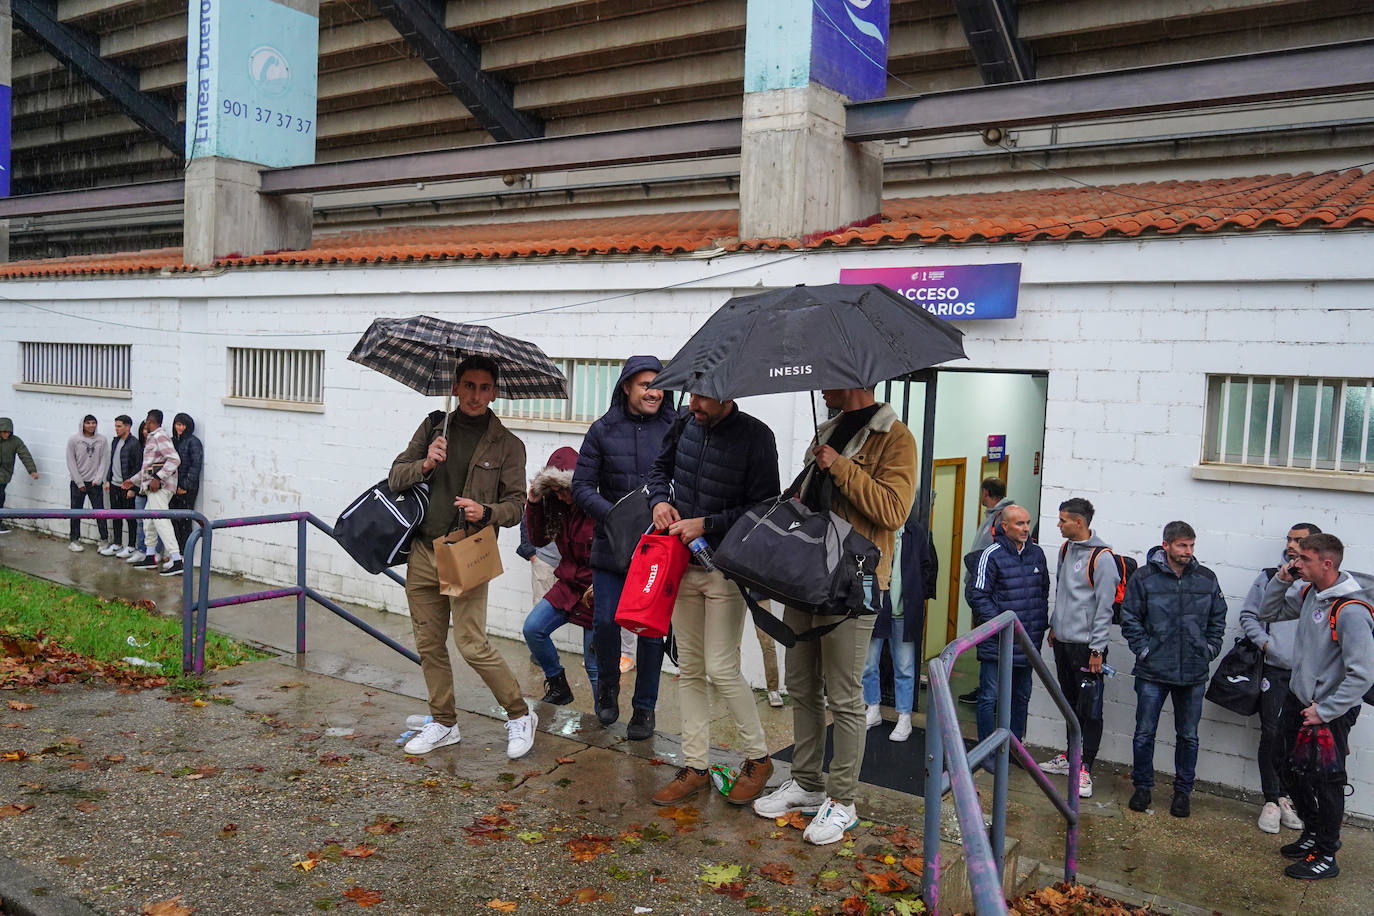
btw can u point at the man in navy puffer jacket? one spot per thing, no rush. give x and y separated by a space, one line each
1011 575
615 458
1173 618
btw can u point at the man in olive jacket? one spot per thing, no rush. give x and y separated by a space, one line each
11 447
476 477
1173 618
866 458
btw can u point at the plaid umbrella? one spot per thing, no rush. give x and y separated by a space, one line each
421 353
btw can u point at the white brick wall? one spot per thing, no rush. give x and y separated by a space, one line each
1126 330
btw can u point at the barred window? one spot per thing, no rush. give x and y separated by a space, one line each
280 379
590 385
1290 422
87 368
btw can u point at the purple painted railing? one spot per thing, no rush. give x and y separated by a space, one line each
195 610
950 767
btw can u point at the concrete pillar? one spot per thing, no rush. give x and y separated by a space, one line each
250 103
803 62
6 72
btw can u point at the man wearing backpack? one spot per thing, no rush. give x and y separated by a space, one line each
1275 639
992 496
1333 668
1173 618
1085 590
866 457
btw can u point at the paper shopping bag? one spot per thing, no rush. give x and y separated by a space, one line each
465 564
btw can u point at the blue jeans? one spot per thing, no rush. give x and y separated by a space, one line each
1187 712
606 636
539 627
1021 682
903 668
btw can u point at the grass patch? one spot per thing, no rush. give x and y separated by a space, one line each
101 628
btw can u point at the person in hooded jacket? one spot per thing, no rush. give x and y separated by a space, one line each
192 454
615 458
1011 575
551 516
1276 639
1173 617
11 447
88 460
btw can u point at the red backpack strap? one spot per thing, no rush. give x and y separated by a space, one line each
1340 603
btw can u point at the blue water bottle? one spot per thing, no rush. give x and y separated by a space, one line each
702 551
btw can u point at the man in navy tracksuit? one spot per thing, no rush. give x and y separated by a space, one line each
1173 618
615 458
1011 575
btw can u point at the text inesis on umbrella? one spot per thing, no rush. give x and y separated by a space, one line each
777 371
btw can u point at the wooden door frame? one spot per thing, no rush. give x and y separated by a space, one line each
956 564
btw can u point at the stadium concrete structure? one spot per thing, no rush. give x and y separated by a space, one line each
1188 337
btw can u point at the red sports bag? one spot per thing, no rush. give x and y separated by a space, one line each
646 603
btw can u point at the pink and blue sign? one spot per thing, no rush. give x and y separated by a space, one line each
964 292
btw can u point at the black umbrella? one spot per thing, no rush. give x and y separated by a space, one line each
809 337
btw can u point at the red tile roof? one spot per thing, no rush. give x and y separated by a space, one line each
1328 200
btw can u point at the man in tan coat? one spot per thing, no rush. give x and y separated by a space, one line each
867 459
476 477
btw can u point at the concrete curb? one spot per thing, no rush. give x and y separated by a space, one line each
19 895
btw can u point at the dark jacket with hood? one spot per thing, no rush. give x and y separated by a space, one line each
570 528
1174 624
1005 579
617 453
10 449
717 472
920 567
192 453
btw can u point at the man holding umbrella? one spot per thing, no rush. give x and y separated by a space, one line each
866 457
475 468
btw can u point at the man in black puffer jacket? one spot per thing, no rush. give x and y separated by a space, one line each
615 458
1173 618
188 477
1011 575
724 462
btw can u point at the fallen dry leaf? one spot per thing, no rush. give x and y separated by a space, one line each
170 907
383 827
565 760
885 882
305 864
20 707
913 864
793 819
17 754
86 807
588 847
684 817
506 806
14 810
364 896
585 895
778 872
361 851
12 725
115 758
502 906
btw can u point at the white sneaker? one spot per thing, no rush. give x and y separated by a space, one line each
774 699
137 556
787 798
1058 766
74 547
108 550
171 561
1269 817
431 736
902 730
418 722
829 825
1085 784
873 715
520 735
1287 816
124 553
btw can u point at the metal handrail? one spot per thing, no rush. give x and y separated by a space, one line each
949 766
194 634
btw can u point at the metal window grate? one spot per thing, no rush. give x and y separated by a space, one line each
590 385
1318 424
294 376
73 365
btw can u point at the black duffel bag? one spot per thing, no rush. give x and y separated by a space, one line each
630 518
1236 683
376 529
804 559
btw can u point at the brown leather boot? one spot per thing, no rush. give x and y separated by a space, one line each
753 776
684 785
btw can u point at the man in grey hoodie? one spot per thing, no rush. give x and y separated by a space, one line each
88 463
1333 668
1080 623
1275 640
